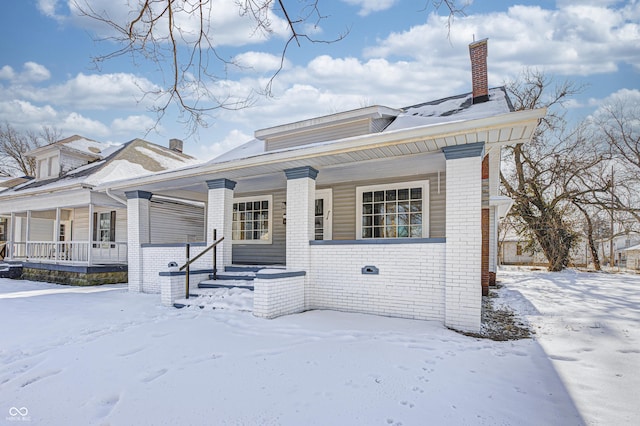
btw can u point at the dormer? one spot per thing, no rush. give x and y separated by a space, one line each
56 159
362 121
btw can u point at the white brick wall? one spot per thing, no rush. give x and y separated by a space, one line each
463 294
137 234
301 195
219 217
171 288
276 297
156 258
410 283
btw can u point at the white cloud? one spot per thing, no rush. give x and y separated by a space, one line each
233 139
74 123
35 72
259 61
224 20
369 6
48 7
95 91
133 125
574 40
22 113
7 73
32 72
25 115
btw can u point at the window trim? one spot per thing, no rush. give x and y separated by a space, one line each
326 194
260 198
424 184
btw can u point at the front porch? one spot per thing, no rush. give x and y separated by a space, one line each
358 236
77 245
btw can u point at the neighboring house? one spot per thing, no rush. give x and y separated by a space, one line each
376 210
515 250
59 227
632 255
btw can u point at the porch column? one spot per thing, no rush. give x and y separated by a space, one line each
27 235
301 196
11 236
220 218
56 235
463 290
90 236
137 234
495 158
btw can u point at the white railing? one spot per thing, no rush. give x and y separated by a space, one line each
70 251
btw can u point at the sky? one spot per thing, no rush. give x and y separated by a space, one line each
395 53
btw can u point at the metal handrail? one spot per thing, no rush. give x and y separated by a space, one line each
190 261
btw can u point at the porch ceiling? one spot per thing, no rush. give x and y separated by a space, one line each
404 152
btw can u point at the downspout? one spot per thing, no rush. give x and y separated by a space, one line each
115 197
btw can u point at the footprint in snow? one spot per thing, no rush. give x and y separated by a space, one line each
106 406
407 404
40 377
150 377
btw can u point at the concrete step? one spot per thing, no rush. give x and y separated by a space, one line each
232 299
240 283
251 268
235 276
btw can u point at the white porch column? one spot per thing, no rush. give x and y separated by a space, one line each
90 237
463 292
138 227
494 183
219 217
301 197
11 236
27 235
56 234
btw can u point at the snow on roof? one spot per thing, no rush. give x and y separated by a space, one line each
633 248
126 161
86 146
456 108
166 158
247 149
116 170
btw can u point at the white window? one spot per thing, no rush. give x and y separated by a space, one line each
252 220
399 210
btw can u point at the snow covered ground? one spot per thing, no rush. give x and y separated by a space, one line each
78 356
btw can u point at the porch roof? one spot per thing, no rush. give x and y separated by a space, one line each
403 152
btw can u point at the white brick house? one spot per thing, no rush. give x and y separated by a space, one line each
376 210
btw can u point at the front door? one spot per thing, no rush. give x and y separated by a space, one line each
323 214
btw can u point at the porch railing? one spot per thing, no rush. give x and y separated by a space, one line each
186 266
70 251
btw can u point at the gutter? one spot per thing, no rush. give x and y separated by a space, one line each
115 197
356 143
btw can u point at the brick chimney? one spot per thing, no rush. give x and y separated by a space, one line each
175 145
479 80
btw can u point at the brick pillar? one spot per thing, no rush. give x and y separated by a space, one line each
463 291
220 218
480 83
301 197
485 226
138 233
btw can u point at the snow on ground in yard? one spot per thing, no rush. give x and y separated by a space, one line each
102 356
588 324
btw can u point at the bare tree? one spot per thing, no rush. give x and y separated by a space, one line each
547 175
618 129
14 144
182 38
